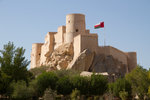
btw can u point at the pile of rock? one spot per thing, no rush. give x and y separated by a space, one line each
61 57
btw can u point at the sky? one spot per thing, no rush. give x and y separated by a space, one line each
127 22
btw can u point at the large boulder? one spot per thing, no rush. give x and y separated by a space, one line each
83 61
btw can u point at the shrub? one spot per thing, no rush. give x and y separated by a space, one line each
120 85
38 70
123 95
46 80
70 73
64 86
49 94
98 85
75 95
81 84
21 91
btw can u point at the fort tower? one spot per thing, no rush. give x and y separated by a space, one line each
75 24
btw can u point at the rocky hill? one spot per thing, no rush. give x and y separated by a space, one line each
62 58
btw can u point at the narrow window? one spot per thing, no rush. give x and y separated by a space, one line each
77 30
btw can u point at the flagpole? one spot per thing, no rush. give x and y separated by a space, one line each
104 42
104 37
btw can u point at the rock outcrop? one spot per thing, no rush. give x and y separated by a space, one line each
61 57
83 61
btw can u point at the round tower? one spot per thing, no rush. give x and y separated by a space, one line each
75 24
35 55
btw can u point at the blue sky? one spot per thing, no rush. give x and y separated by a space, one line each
127 22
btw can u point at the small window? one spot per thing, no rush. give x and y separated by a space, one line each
39 54
69 21
77 30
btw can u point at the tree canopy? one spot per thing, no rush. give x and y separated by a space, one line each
139 81
13 66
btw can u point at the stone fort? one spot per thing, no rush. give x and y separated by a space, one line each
73 46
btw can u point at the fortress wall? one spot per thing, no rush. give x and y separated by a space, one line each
85 41
132 60
89 41
47 47
117 54
35 55
77 46
59 36
103 50
87 31
75 25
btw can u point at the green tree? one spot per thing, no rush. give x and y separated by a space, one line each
38 70
123 95
34 87
13 67
75 95
98 84
120 85
21 91
6 60
70 73
5 88
13 62
139 81
81 84
46 80
64 85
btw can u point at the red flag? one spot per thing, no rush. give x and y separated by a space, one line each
100 25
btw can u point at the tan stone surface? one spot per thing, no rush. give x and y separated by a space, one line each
61 57
36 54
47 48
85 41
59 36
83 61
75 25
